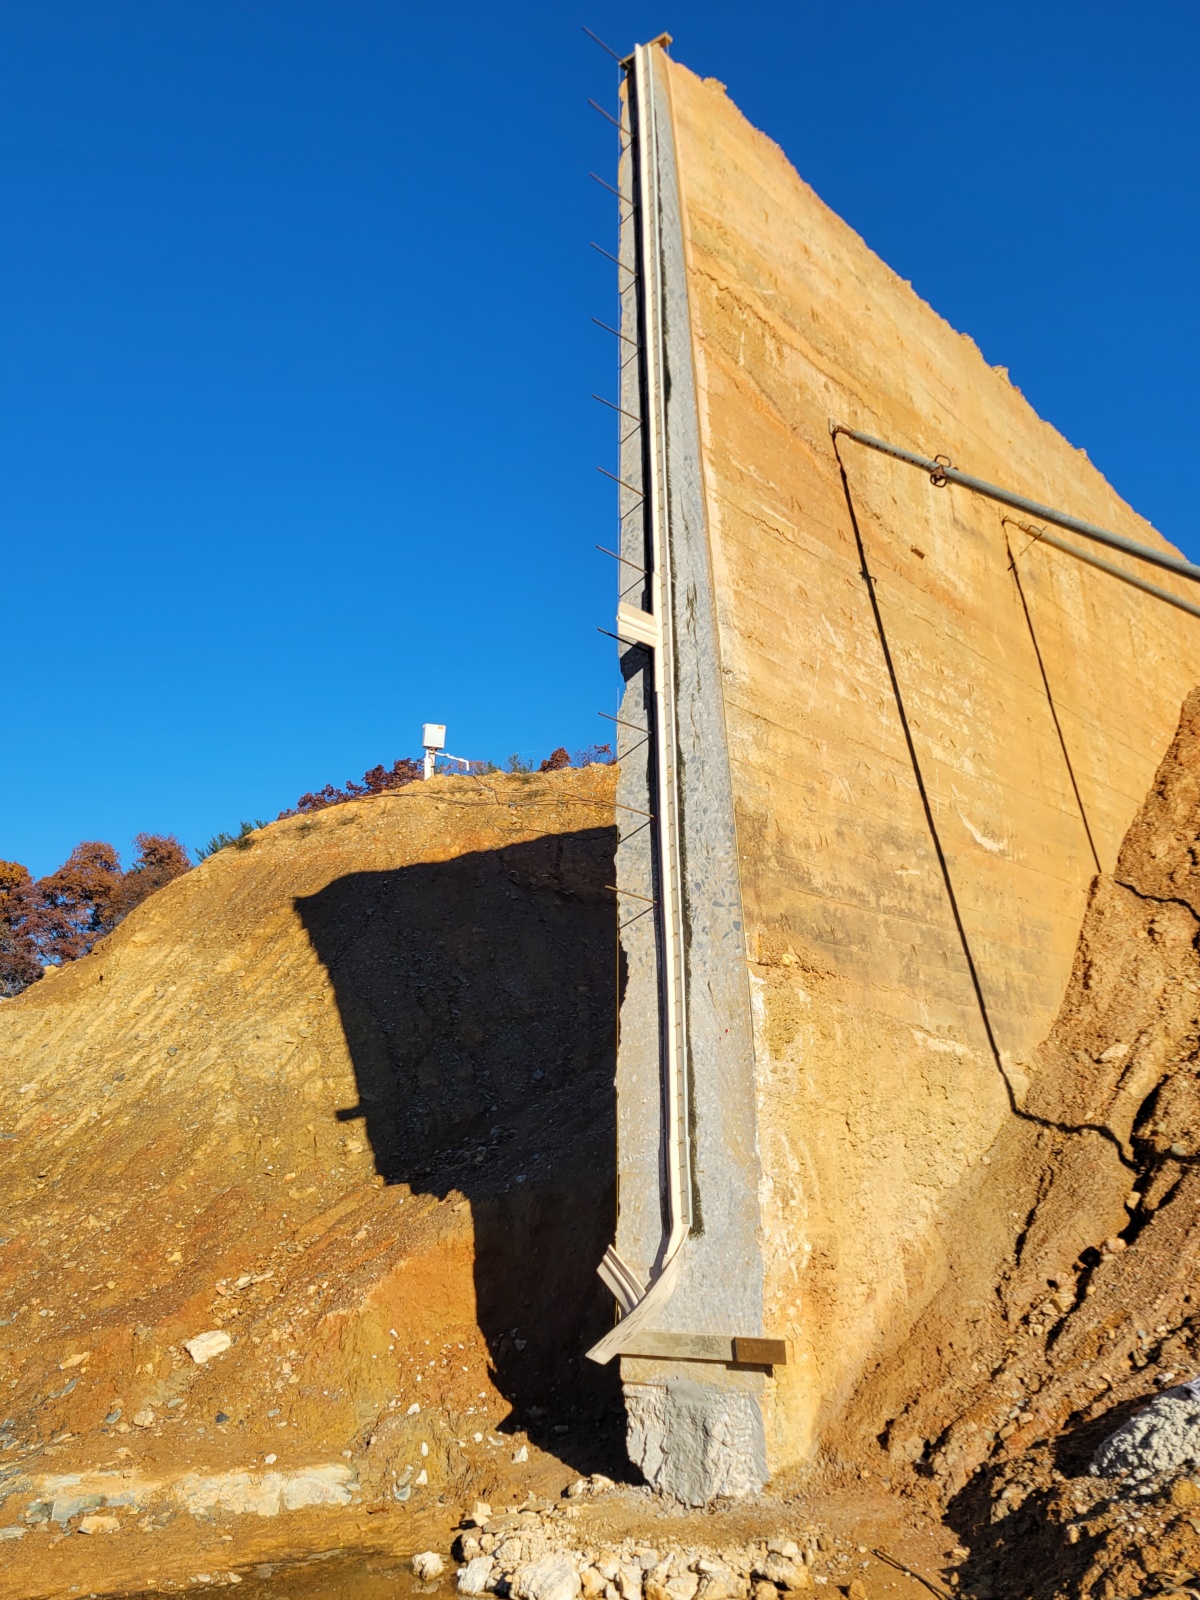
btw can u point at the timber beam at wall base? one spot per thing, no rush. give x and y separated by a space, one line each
727 1349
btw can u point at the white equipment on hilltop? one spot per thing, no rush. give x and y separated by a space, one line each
433 737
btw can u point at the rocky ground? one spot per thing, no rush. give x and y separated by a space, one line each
611 1540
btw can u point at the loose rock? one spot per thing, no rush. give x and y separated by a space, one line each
206 1345
99 1523
1165 1435
629 1583
65 1507
720 1582
427 1565
784 1572
554 1577
477 1576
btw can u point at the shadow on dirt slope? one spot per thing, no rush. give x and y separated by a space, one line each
478 998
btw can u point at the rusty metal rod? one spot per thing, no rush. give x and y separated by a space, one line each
617 331
596 39
624 485
633 417
613 259
610 188
608 717
619 126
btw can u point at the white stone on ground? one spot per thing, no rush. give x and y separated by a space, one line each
98 1522
553 1577
427 1565
477 1576
1164 1435
207 1345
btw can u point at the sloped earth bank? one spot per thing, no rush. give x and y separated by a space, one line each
342 1098
1069 1291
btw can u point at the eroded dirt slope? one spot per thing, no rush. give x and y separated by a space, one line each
345 1096
1069 1288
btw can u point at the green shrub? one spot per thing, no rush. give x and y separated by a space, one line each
240 840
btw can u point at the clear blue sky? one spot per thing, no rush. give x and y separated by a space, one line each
295 352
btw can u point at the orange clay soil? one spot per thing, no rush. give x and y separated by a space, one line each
345 1096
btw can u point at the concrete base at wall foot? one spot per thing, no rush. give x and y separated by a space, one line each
695 1441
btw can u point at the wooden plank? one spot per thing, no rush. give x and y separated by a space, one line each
760 1352
722 1347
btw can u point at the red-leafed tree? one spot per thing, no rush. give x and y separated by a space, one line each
61 916
556 760
81 901
160 860
378 780
19 923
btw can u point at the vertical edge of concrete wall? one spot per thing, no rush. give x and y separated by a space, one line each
640 1179
695 1428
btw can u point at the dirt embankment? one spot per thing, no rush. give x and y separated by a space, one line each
1069 1288
343 1098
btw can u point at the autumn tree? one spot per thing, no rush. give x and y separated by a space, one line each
81 901
60 917
19 964
160 860
377 780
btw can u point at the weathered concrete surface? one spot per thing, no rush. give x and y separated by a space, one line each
877 1085
692 1433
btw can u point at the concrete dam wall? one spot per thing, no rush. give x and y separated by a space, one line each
877 743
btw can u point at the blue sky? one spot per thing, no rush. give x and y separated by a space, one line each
295 349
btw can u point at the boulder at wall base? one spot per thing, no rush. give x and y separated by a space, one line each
1164 1435
553 1577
